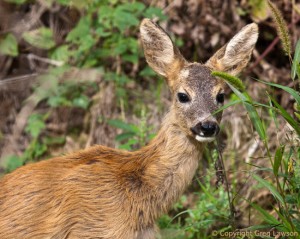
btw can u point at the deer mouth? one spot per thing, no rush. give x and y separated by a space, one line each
204 138
206 131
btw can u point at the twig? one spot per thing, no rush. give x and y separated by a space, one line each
32 57
17 78
231 206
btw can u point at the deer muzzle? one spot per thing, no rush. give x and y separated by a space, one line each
206 131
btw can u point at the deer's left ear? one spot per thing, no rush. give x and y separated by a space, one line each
235 55
160 52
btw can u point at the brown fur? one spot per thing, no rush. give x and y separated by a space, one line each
107 193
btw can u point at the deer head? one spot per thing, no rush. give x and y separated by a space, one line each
196 94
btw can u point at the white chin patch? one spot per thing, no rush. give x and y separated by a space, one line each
204 139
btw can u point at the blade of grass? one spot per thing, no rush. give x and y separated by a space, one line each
273 114
296 61
235 84
286 224
286 116
289 90
269 186
277 160
266 215
227 106
254 117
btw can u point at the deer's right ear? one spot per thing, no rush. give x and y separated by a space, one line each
159 50
235 55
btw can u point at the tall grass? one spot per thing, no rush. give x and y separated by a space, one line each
282 179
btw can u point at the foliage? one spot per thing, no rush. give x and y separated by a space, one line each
285 170
133 136
210 208
9 45
296 62
41 38
105 37
285 163
35 126
259 9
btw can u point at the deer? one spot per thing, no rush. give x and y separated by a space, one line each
107 193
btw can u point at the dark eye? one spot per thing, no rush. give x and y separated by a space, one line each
220 97
183 98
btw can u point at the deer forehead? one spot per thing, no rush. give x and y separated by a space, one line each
196 78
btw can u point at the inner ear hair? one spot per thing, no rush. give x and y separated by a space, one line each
160 52
235 55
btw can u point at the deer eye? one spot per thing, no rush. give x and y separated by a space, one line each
220 98
183 98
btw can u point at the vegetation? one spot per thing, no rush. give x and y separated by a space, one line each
257 194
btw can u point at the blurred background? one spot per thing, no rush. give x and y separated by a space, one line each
72 74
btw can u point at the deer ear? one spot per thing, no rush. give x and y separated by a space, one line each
159 50
235 55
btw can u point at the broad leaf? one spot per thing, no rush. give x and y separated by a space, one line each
41 38
9 45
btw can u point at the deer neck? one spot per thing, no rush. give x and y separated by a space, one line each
169 162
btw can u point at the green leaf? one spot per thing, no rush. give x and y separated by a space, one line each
147 71
277 160
254 117
120 47
269 186
129 144
259 9
35 125
106 16
124 19
102 33
81 30
79 4
16 1
234 81
273 113
38 149
153 12
64 2
296 224
41 38
57 100
54 140
9 45
82 102
289 90
135 7
131 58
125 136
297 115
266 215
291 199
296 61
286 116
231 103
62 53
86 43
286 227
13 162
122 125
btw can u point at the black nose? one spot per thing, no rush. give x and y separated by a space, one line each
206 129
